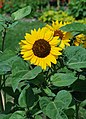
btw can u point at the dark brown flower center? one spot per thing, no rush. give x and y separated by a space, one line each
41 48
58 33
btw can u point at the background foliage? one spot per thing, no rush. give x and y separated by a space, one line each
77 8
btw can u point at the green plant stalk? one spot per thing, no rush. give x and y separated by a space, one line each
4 92
3 38
77 109
1 101
58 4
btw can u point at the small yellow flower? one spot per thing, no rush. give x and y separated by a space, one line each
40 48
80 40
63 36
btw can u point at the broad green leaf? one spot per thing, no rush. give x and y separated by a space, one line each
2 23
1 27
13 24
8 57
8 90
75 27
65 97
70 113
19 64
63 115
5 116
82 112
18 115
75 57
26 98
22 98
33 73
38 117
23 75
38 80
21 13
17 77
48 92
52 111
59 104
8 107
55 113
44 101
2 18
63 79
4 68
30 97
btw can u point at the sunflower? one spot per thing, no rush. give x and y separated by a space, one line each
63 36
40 48
80 40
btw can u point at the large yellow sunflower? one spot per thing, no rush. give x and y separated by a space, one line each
63 36
80 40
40 48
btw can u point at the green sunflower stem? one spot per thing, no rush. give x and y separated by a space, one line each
77 109
3 38
58 4
4 93
1 101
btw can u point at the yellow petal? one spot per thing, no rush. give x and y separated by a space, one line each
48 35
54 41
37 61
33 60
30 38
62 45
27 47
52 58
23 42
67 44
55 51
49 27
48 61
28 58
43 64
27 54
33 32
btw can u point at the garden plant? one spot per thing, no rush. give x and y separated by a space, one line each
44 77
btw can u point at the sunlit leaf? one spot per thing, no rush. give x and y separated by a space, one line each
48 92
65 97
22 98
63 79
17 77
18 115
75 57
56 113
75 27
4 68
21 13
32 73
38 117
44 101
